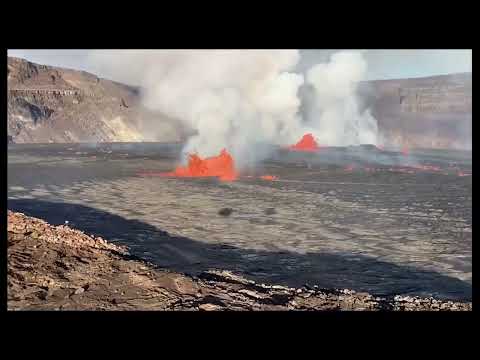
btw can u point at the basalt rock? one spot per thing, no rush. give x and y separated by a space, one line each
64 269
225 211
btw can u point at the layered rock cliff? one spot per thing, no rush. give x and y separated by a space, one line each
49 104
431 112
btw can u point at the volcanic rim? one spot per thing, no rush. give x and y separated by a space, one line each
59 268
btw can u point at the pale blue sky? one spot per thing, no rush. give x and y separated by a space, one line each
382 64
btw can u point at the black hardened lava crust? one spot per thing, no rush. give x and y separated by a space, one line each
358 218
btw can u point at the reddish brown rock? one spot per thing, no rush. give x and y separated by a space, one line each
64 269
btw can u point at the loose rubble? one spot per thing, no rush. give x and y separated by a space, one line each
59 268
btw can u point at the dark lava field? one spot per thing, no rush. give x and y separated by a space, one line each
358 218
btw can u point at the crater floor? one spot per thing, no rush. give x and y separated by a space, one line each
357 218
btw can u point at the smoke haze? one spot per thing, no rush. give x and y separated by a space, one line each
333 109
234 99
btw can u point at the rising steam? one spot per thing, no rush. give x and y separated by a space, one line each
333 111
234 99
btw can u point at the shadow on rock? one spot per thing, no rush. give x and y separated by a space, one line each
190 256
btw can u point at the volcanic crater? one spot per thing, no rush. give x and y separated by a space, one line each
361 218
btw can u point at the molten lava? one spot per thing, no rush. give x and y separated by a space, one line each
268 177
221 166
307 143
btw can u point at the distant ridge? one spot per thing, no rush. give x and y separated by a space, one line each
53 104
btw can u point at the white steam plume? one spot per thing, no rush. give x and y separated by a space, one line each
236 98
333 111
232 98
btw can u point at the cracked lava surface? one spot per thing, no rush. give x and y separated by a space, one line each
363 220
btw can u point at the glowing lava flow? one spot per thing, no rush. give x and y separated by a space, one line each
221 166
269 177
307 143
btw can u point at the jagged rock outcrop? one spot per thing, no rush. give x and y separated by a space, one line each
59 268
49 104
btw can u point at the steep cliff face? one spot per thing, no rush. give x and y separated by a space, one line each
433 112
48 104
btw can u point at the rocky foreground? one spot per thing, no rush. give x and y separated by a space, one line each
59 268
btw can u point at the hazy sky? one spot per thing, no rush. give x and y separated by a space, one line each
382 64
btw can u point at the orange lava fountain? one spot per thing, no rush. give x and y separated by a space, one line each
221 166
307 143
